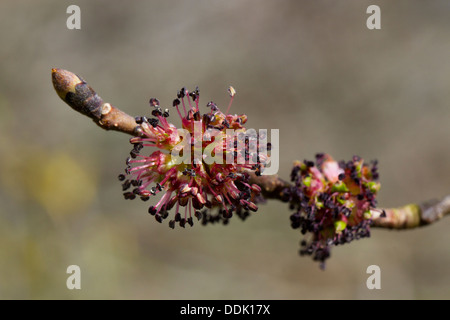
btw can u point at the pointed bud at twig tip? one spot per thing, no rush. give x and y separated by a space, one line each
154 102
64 81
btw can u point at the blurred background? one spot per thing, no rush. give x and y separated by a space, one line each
309 68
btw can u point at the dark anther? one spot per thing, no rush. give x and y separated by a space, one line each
157 112
133 154
172 224
134 183
166 113
138 146
158 186
341 176
126 185
121 177
182 223
152 210
198 215
178 217
154 102
227 214
182 92
129 196
211 105
138 120
176 102
196 204
190 221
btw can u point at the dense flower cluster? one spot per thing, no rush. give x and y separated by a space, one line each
332 202
196 168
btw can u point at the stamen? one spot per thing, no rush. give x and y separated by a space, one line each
232 93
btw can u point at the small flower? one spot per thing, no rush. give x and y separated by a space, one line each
333 202
216 151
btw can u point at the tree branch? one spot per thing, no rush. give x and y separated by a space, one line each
412 215
82 98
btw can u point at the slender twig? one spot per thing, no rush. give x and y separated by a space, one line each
73 90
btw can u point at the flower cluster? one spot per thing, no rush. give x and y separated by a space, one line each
332 202
198 167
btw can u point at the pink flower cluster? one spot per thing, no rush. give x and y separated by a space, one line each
332 202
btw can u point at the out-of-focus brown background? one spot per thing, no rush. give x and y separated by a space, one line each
309 68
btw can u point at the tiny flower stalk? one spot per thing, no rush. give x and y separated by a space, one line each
332 202
74 91
198 167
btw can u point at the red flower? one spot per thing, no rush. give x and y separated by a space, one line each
197 167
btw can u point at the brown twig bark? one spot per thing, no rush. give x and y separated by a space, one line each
413 215
73 90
